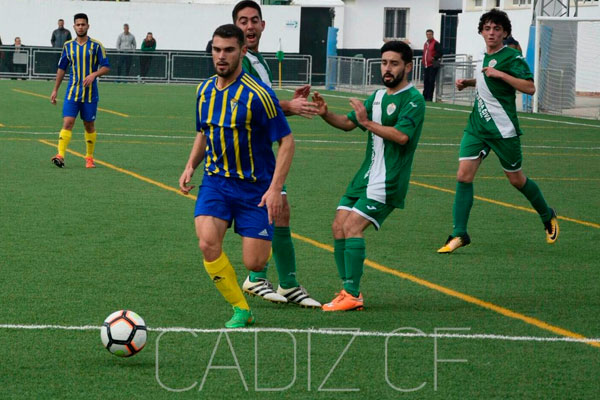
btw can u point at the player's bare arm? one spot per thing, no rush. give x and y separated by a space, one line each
60 74
522 85
196 157
299 105
272 197
302 91
385 132
464 83
335 120
90 78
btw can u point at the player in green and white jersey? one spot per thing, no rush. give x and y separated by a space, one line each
393 118
493 125
247 15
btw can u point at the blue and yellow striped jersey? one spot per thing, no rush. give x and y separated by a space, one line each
84 59
240 123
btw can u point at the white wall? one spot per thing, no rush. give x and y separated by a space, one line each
468 41
364 22
174 25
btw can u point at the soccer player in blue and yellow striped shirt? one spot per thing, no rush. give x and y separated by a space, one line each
88 61
237 119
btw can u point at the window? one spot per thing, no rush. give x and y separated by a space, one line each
493 4
396 22
521 2
477 3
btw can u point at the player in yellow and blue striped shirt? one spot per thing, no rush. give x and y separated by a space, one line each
237 119
88 61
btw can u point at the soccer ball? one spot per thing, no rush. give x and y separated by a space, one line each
123 333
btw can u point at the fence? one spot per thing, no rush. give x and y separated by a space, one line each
357 74
445 87
137 66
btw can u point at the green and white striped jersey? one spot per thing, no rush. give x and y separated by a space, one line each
254 64
385 172
494 114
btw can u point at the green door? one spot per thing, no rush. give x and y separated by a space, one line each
314 22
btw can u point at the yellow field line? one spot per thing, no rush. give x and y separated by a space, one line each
48 98
450 292
124 171
508 205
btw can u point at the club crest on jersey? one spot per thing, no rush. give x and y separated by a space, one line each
492 63
391 108
233 103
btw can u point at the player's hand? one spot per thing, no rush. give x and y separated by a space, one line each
360 110
461 84
302 107
274 202
302 91
53 97
492 72
89 80
185 179
320 103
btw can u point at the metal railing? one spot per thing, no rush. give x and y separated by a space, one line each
445 87
138 66
355 74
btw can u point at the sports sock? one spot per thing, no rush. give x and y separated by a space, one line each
63 141
463 201
256 276
285 257
536 198
339 246
223 276
90 143
354 257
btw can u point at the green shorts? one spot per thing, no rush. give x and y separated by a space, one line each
371 210
508 150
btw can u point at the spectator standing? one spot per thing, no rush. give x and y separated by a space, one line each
19 60
125 42
432 55
60 35
148 45
512 42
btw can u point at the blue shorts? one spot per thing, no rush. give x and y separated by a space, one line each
235 200
87 110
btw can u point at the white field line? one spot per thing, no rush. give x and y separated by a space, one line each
304 140
322 332
469 111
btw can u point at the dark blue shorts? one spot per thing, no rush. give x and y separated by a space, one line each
87 110
235 201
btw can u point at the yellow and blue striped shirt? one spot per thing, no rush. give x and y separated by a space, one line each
84 59
240 122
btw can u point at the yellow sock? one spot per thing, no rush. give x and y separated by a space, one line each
63 141
90 143
223 275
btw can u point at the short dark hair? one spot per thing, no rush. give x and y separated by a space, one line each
399 47
245 4
80 16
429 30
60 19
497 17
230 31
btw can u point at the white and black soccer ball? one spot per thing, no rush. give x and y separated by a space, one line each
123 333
